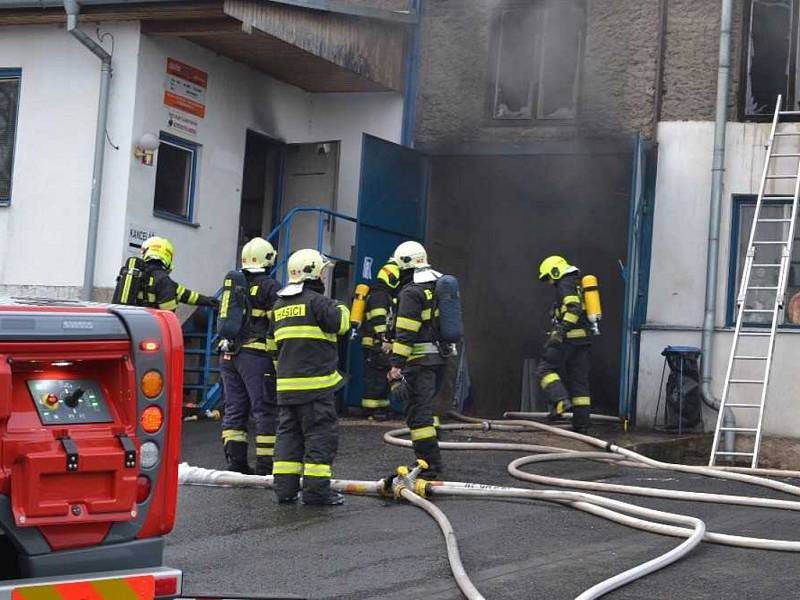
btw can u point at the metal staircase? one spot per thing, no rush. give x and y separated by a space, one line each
761 299
202 390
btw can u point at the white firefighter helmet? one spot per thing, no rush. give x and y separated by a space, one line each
410 255
258 254
306 264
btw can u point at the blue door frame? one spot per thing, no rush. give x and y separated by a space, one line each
636 272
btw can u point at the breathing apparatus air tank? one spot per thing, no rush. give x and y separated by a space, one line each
359 304
591 298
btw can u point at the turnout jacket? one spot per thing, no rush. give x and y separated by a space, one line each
569 310
160 291
415 334
263 291
376 329
305 330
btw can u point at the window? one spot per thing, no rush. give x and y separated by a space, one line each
743 211
176 172
9 103
535 60
770 60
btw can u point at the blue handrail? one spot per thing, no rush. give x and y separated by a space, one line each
274 236
213 393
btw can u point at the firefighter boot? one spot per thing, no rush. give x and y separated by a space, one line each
329 498
236 455
264 465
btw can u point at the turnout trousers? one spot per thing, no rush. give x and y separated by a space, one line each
248 379
306 446
563 375
423 383
375 396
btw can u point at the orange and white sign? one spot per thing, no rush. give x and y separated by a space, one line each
185 88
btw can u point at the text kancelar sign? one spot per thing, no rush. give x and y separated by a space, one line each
185 88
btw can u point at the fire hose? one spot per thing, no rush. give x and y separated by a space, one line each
408 486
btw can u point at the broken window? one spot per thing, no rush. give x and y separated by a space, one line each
770 48
767 254
536 61
9 101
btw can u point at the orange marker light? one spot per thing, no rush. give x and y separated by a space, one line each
149 346
152 384
152 418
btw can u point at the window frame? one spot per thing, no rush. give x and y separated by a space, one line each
493 67
12 73
194 149
739 201
744 61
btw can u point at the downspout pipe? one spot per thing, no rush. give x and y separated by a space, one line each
715 211
73 9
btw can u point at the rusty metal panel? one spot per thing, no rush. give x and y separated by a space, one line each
372 49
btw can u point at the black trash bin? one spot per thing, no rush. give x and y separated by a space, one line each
683 401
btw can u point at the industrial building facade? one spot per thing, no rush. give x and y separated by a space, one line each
529 112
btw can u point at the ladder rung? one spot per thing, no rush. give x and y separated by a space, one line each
754 334
771 243
739 405
758 310
742 429
774 220
762 287
785 156
765 265
749 357
735 453
789 112
781 177
759 381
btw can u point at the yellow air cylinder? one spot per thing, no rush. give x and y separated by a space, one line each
591 298
359 304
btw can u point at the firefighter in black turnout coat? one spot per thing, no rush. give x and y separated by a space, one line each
248 375
306 326
417 364
563 371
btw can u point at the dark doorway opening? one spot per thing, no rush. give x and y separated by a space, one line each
261 186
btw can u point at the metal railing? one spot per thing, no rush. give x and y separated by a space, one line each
211 394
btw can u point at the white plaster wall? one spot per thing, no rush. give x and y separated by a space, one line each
43 232
238 99
677 277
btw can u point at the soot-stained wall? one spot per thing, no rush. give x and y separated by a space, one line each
491 219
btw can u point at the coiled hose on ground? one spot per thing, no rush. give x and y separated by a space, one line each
654 521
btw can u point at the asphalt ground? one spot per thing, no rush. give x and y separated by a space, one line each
238 542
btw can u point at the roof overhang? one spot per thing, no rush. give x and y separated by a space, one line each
317 45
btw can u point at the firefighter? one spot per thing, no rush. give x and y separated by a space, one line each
567 349
306 325
417 364
376 340
248 375
160 291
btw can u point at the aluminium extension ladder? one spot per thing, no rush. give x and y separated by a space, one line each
740 390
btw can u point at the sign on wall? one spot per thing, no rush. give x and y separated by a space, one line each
184 96
137 234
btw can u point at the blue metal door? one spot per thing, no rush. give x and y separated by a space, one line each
392 205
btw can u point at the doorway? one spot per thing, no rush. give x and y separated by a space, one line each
261 187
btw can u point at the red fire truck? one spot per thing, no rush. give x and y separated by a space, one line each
90 425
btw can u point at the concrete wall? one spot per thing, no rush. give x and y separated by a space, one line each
48 217
677 280
43 232
616 92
